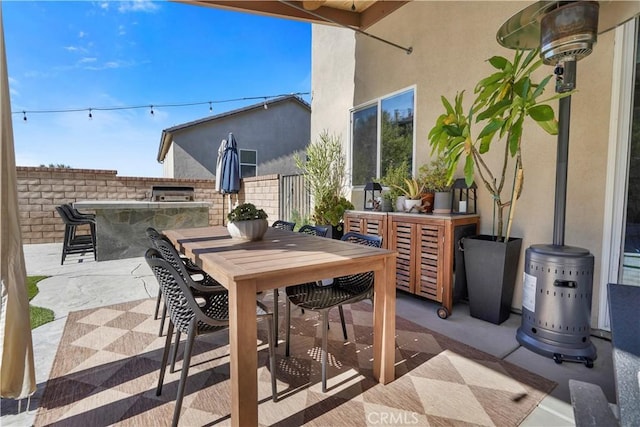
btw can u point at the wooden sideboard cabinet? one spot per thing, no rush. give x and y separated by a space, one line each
426 250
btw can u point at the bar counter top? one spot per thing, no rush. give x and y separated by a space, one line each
137 204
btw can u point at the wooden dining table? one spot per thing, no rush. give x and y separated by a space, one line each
284 258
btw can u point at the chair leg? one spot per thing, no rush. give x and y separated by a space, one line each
174 356
287 316
157 311
325 344
272 357
344 326
165 357
275 315
92 228
185 371
164 315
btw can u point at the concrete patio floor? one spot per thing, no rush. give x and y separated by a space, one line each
83 283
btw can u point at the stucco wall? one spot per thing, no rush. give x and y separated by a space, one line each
40 190
275 133
451 42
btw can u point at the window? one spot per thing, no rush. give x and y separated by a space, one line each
248 163
382 135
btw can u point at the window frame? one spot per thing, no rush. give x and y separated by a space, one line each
378 103
247 164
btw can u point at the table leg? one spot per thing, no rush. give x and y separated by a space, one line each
243 337
384 322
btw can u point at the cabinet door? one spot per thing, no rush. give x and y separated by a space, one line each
367 224
429 258
402 241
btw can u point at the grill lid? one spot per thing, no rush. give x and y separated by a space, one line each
164 193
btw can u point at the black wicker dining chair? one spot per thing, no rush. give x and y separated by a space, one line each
344 290
314 230
194 319
283 225
192 270
204 286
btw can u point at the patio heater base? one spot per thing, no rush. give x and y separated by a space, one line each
556 307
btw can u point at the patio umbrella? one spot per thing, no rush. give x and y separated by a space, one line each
17 373
219 165
230 182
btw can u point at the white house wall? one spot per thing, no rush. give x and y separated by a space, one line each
451 42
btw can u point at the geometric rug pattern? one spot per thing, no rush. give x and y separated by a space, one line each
106 370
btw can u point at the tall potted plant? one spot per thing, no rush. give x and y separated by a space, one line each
324 171
504 102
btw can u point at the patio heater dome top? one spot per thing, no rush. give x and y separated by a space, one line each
562 30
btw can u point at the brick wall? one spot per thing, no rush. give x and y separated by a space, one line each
40 190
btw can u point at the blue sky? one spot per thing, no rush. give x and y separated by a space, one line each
83 54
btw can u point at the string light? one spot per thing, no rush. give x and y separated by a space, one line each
152 106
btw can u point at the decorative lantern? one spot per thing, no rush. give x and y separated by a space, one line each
464 198
371 201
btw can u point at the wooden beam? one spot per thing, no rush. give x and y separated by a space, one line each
379 10
282 10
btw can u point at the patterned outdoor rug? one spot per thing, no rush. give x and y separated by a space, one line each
106 370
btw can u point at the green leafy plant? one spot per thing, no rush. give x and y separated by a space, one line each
394 179
330 210
503 102
434 176
246 212
324 175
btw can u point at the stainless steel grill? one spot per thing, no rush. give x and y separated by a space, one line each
161 193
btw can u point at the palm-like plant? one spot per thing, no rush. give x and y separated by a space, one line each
504 100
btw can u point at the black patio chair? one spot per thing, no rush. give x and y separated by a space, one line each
200 287
74 243
284 225
344 290
193 270
314 230
194 319
77 214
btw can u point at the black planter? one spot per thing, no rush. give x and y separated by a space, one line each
491 269
335 231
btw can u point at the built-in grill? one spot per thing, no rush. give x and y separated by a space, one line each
166 193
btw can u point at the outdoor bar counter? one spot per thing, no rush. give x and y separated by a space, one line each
121 224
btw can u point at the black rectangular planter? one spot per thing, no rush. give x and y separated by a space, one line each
491 269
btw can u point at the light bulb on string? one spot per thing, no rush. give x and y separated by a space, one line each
353 5
265 104
152 113
90 115
24 116
210 107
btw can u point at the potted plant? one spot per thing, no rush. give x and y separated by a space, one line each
247 222
324 171
393 179
412 191
504 101
435 179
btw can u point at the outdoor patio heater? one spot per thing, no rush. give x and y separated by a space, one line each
558 279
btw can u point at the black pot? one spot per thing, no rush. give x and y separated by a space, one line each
491 269
335 231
